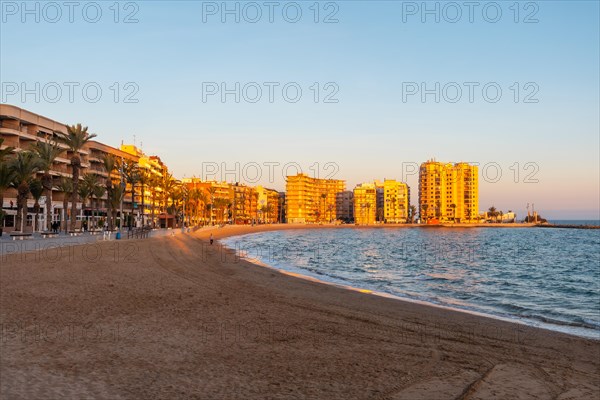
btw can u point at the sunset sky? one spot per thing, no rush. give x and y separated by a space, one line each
543 127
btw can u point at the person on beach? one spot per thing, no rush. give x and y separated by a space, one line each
211 239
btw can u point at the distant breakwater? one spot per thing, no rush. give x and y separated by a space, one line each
568 226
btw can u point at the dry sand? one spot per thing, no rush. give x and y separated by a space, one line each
175 318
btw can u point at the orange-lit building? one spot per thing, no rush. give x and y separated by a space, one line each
21 129
310 200
448 192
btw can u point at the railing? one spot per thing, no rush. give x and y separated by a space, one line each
139 233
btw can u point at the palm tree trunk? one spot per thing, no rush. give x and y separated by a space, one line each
143 195
37 212
47 183
109 210
153 206
22 191
132 204
74 194
65 207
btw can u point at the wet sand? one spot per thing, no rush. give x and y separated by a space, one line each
174 317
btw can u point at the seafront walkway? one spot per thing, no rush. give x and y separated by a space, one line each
39 243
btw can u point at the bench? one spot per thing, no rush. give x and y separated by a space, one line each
20 235
48 234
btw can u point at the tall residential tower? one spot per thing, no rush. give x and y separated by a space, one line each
448 192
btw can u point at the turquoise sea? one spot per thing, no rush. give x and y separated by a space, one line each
543 277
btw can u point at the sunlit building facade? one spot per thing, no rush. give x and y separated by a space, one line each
312 200
345 206
268 205
21 129
448 192
395 201
365 204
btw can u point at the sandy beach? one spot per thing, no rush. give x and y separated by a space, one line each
174 317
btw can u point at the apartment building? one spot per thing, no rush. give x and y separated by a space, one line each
245 204
448 192
365 204
312 200
151 171
395 201
345 206
268 205
21 129
379 192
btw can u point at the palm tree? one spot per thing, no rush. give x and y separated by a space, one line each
89 188
110 164
412 211
131 173
167 186
37 189
211 191
85 192
7 176
47 152
453 207
267 210
155 185
144 180
324 198
116 196
492 212
75 138
202 199
424 208
98 192
5 152
66 187
219 205
24 166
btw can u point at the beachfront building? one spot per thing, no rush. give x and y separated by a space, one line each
282 208
395 201
379 192
210 202
207 201
245 204
365 204
22 129
345 206
147 184
312 200
268 205
97 152
448 192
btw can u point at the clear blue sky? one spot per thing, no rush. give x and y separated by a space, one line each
373 48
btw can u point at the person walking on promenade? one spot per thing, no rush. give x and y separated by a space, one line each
211 239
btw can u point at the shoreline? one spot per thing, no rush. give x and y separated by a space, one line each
178 319
585 332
